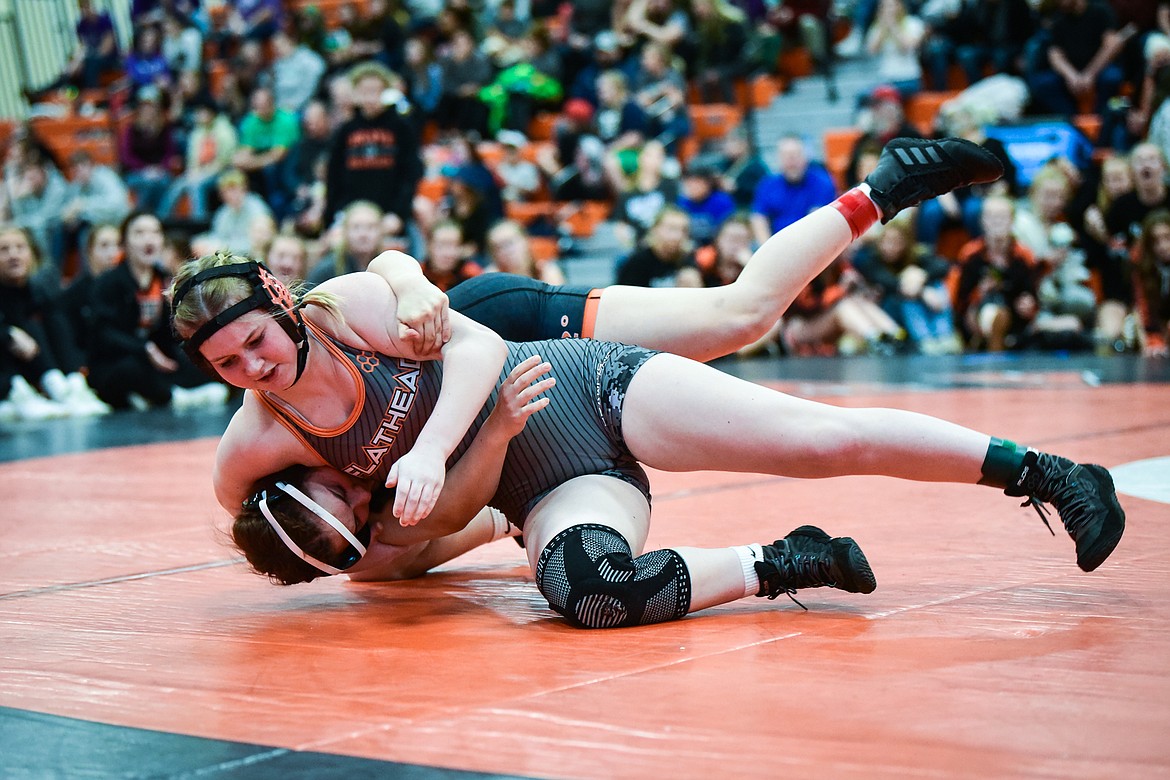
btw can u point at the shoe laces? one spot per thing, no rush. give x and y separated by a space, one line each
798 568
1041 510
1072 501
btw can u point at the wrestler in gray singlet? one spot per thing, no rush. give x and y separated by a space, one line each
578 433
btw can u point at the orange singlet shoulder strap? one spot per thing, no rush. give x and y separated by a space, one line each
285 414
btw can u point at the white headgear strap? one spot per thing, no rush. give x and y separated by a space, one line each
320 512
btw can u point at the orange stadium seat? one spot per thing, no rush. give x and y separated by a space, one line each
714 120
586 216
759 91
541 126
1089 124
951 242
433 188
543 248
331 10
921 109
68 134
688 147
795 62
491 153
839 143
526 212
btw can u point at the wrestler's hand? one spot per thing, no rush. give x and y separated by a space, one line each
423 317
418 479
518 399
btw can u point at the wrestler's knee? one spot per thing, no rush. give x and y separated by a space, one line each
589 575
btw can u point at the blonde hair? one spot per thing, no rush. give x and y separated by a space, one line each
651 240
506 226
1104 199
616 79
370 69
209 298
232 177
339 253
1050 173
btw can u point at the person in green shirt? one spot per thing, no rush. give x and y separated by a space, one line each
266 136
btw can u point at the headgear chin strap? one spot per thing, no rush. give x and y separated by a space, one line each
320 511
268 292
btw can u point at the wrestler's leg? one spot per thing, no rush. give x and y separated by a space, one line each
585 539
680 415
706 323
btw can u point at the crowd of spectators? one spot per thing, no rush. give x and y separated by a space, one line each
316 137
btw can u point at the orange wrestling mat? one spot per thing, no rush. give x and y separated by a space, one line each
984 651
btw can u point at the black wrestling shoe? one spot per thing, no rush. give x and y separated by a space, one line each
1084 498
809 558
911 170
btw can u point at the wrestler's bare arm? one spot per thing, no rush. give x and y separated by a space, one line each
404 560
254 446
472 360
423 309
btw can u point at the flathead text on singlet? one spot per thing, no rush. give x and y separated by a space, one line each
402 398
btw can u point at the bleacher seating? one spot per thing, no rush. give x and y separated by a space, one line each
541 127
714 120
922 109
67 134
526 212
331 10
838 145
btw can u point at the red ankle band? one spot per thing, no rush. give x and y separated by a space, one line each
859 211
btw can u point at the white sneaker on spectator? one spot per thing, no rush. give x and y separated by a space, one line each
73 393
56 385
83 400
31 405
182 398
215 394
8 412
208 395
212 394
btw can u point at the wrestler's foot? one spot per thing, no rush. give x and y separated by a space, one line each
1084 498
809 558
912 170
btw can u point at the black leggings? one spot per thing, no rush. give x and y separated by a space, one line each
115 381
523 309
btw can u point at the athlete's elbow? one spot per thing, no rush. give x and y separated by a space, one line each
488 345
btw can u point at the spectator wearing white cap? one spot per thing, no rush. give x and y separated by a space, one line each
521 177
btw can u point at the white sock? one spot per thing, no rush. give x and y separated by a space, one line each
500 525
748 555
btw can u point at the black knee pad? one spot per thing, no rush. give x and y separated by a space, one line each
589 575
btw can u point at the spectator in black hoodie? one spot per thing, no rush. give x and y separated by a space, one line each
135 359
375 156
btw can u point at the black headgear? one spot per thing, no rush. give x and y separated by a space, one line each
268 293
